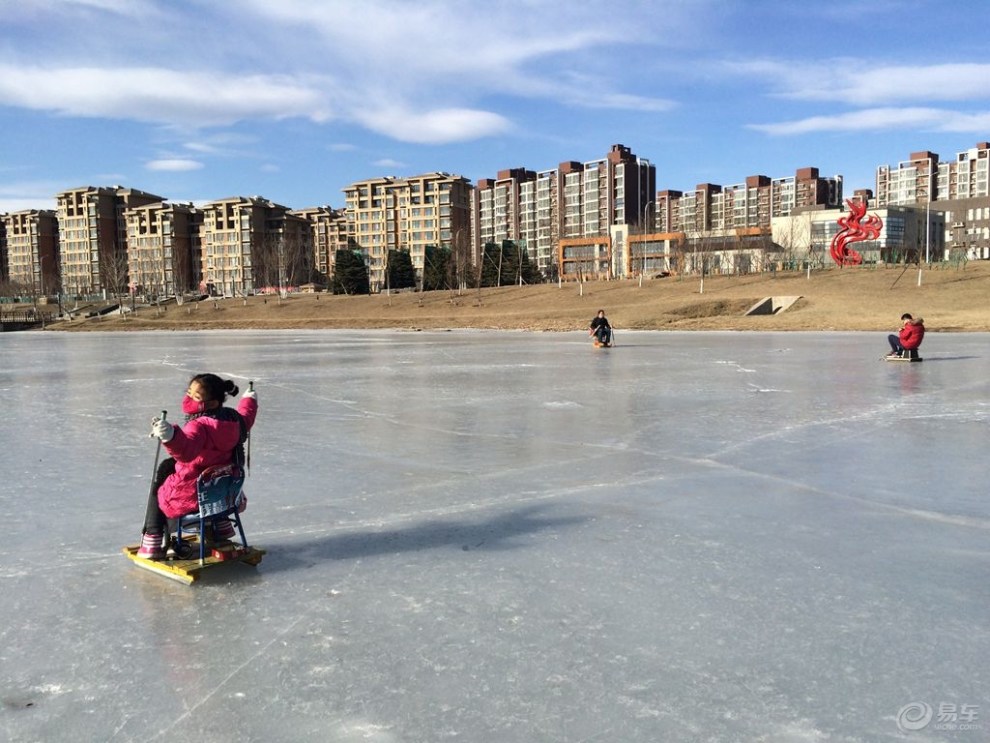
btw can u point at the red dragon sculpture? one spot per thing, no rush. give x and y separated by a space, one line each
854 229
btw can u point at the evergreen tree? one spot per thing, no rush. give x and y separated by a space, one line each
517 266
350 274
505 264
401 274
437 268
491 259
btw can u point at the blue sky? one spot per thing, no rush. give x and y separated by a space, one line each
295 99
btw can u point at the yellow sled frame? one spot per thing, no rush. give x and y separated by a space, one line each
188 571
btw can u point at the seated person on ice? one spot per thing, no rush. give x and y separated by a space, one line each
601 329
212 435
910 337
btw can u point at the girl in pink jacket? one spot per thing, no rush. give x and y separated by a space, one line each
212 434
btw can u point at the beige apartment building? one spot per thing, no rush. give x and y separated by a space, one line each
958 188
408 214
163 249
329 234
566 217
93 237
32 258
251 244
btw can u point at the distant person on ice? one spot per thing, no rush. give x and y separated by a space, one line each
212 435
909 338
601 329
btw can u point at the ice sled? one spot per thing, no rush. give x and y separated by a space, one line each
188 571
908 355
220 496
599 344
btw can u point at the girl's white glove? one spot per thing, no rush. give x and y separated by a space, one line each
162 429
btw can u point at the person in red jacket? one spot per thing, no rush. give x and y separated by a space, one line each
910 337
212 435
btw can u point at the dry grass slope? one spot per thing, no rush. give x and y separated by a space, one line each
860 298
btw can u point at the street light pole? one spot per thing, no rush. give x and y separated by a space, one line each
640 162
642 242
928 216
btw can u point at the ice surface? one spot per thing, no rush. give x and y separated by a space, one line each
489 537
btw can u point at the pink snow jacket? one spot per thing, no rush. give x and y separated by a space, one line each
202 442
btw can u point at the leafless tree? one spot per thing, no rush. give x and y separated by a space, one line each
113 274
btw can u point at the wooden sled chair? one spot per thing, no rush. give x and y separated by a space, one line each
218 490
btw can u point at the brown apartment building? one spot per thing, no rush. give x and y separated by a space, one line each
565 217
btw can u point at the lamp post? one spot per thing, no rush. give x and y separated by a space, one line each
640 162
932 180
642 242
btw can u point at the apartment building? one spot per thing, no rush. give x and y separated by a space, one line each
408 214
729 228
286 259
564 217
93 236
329 234
4 270
913 181
32 251
251 244
163 248
746 206
959 189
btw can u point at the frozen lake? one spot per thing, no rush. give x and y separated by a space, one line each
508 537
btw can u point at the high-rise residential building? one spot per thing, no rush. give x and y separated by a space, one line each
408 214
564 215
746 206
913 181
163 250
959 189
329 234
500 206
4 270
251 244
32 250
966 177
93 236
729 227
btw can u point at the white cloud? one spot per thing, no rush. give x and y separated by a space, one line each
17 196
387 162
423 72
159 95
862 82
881 119
434 127
226 144
174 164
